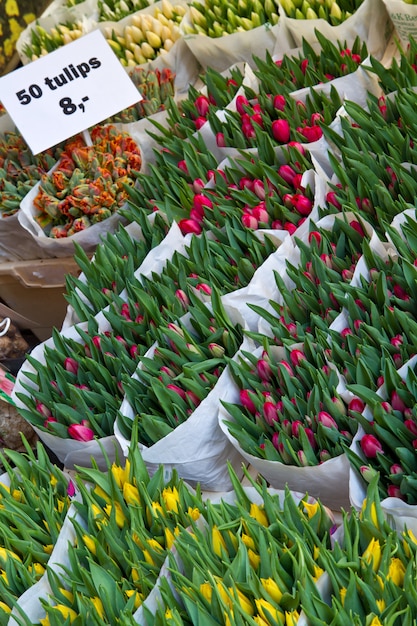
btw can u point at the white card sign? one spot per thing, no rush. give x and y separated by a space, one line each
67 91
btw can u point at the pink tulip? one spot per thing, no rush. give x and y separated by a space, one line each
178 390
71 365
220 140
270 412
281 130
202 104
264 370
326 419
80 432
188 226
287 173
411 426
279 102
371 446
246 400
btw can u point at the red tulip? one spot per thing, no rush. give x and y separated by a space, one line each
281 130
371 446
80 432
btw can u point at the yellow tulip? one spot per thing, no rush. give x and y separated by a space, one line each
171 498
67 594
219 544
291 618
372 554
138 598
118 474
206 591
268 611
53 480
3 575
131 494
4 607
311 509
120 516
153 543
342 594
48 548
381 604
37 569
6 554
169 538
376 622
248 541
272 589
258 513
89 543
148 557
98 491
243 600
396 572
194 513
374 516
318 571
227 620
254 559
223 593
260 621
98 605
155 512
65 611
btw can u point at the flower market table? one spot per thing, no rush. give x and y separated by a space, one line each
226 413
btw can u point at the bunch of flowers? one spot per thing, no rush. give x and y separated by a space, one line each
376 588
290 409
107 273
378 322
248 562
20 170
216 18
311 66
333 12
386 443
125 526
88 184
34 499
180 370
281 118
147 35
43 41
306 300
383 184
156 88
74 389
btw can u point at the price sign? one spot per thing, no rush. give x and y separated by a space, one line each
67 91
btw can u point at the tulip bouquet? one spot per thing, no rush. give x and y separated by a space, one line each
20 170
377 322
330 11
172 399
290 408
35 497
70 388
242 565
385 442
304 300
38 40
117 542
215 19
179 371
383 185
377 586
88 184
114 263
270 192
146 34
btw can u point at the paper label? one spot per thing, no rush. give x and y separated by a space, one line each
67 91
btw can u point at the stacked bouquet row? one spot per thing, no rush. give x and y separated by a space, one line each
122 547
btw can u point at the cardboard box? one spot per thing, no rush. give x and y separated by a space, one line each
35 290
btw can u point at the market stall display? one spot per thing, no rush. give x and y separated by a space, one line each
248 328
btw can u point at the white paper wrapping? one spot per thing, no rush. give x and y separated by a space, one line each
197 448
404 17
327 481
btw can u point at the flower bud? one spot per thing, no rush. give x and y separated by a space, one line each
246 400
287 173
327 420
188 226
216 350
396 402
371 446
264 370
324 455
367 472
71 365
356 405
396 469
281 130
279 102
183 298
80 432
202 104
270 412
